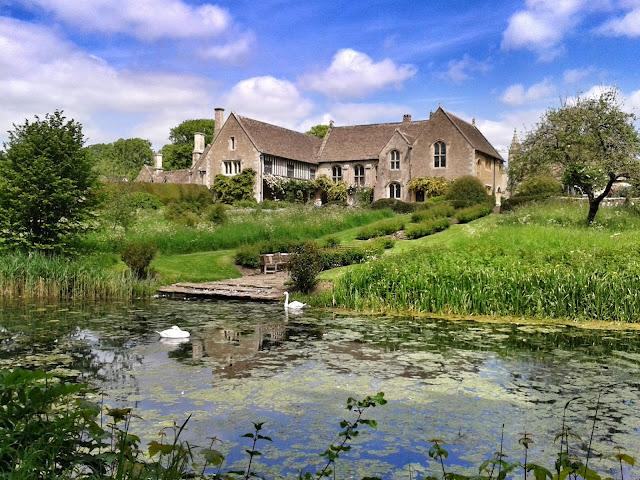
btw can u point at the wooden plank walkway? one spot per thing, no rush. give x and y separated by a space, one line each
251 287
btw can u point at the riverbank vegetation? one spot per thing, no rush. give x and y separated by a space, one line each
539 261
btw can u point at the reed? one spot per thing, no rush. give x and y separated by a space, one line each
39 276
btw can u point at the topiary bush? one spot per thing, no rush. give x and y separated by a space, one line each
305 266
539 185
137 256
467 191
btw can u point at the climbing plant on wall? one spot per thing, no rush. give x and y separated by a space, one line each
430 186
232 189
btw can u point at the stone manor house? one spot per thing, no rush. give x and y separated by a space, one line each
384 157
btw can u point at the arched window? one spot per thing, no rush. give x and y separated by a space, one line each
395 160
336 174
439 155
394 190
358 175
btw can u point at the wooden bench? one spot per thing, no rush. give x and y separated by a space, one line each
273 262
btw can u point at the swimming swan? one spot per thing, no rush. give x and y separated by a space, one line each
295 305
174 332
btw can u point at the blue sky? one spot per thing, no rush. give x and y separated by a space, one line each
136 68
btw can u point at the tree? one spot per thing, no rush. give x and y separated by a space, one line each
178 154
47 184
121 159
589 143
318 131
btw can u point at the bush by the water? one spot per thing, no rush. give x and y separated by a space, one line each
138 256
466 215
432 211
382 227
427 227
305 266
466 191
398 206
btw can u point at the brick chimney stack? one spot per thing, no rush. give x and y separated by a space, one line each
406 118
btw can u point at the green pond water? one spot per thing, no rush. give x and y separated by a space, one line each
252 362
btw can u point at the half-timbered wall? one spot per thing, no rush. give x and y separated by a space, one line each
283 167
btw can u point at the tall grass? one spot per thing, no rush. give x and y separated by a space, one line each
243 227
39 276
536 262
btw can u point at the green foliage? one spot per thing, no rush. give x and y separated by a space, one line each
387 226
305 266
466 191
466 215
331 241
170 192
517 200
398 206
121 159
47 185
430 186
427 227
337 193
591 142
299 191
539 185
138 256
433 211
216 213
248 256
179 153
362 196
144 200
318 131
232 189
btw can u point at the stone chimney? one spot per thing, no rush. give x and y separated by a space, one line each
430 114
473 121
198 147
219 118
406 118
157 162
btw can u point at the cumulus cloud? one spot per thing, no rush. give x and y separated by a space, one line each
354 74
40 72
144 19
626 26
461 70
270 100
518 95
236 52
541 26
575 75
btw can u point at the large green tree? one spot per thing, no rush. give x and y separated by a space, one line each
121 159
318 131
178 153
47 184
590 143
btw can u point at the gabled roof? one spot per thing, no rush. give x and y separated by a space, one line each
364 142
281 142
473 135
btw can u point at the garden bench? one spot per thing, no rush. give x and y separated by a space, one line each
273 262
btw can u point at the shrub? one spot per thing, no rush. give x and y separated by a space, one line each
331 241
248 256
433 211
144 200
430 186
428 227
398 206
305 266
467 191
517 200
384 243
216 213
337 193
539 185
387 226
137 256
232 189
468 214
170 192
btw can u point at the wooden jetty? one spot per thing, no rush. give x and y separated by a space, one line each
268 287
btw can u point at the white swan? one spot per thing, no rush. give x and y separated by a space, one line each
174 332
295 305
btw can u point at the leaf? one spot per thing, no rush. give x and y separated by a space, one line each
540 473
264 437
155 447
214 457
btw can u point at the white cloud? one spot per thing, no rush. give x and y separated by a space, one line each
541 26
354 74
460 70
575 75
236 52
364 113
517 95
39 73
270 100
626 26
144 19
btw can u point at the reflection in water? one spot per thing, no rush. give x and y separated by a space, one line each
458 381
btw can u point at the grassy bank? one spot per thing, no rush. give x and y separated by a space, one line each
537 262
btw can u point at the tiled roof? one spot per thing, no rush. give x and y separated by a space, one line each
148 174
363 142
281 142
475 137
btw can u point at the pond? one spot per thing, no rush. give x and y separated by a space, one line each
457 381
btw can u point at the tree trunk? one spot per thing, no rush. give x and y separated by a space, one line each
594 202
